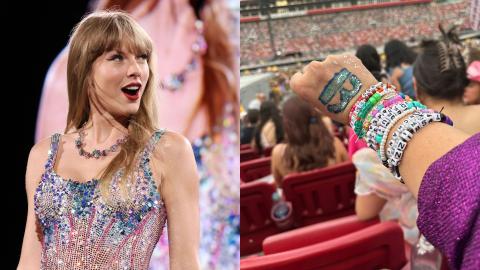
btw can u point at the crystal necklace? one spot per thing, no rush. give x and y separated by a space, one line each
96 153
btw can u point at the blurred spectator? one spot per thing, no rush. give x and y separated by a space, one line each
257 101
471 96
440 84
309 144
371 60
313 35
248 128
399 58
270 130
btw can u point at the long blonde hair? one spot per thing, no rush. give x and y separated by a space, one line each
96 34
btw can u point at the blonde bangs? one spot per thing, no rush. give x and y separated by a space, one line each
113 32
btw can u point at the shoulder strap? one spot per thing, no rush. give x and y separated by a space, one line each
52 152
157 134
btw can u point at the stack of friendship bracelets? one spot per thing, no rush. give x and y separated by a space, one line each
377 111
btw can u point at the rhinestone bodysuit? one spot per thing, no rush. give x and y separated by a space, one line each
79 229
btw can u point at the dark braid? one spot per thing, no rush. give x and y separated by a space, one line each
449 51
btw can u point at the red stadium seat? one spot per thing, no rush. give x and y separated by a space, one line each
255 221
267 151
255 169
245 146
248 154
321 194
313 234
322 232
374 247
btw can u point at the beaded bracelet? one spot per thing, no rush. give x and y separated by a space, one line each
381 147
366 95
387 120
376 110
359 104
381 121
404 134
360 114
413 123
379 109
364 110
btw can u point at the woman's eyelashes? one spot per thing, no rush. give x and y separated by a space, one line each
119 57
116 57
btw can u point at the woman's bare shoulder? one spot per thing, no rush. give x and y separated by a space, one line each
36 160
397 72
277 153
172 145
40 149
279 149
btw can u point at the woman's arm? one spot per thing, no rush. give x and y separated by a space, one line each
31 247
368 206
267 135
175 162
340 151
277 155
396 74
427 145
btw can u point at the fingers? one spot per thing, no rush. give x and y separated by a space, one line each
307 82
295 83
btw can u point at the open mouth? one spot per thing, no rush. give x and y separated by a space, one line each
131 92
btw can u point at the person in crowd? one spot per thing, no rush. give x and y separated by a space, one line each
399 58
309 144
437 165
269 131
471 96
248 129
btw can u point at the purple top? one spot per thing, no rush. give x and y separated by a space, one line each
449 204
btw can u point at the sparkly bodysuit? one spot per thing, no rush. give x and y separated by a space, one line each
80 229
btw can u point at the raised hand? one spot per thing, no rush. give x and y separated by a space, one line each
333 85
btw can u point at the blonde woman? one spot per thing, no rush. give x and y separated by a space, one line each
196 96
100 194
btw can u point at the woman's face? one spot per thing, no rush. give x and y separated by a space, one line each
472 93
119 79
